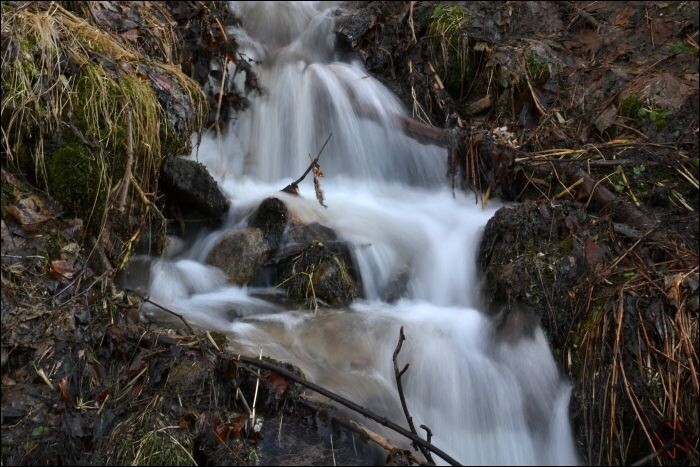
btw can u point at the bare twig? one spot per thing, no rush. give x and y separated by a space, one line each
178 315
255 396
121 202
398 374
294 186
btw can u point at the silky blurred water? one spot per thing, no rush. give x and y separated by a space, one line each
487 400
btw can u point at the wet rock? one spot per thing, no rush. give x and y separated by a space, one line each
515 322
240 254
188 184
531 259
136 275
352 28
397 285
307 233
271 218
319 274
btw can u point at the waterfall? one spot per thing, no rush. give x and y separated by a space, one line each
487 399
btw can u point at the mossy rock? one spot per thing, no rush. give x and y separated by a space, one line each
531 256
76 180
320 273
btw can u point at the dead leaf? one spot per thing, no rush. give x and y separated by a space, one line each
63 389
572 225
102 396
72 229
672 286
30 211
162 81
62 269
278 382
594 254
131 35
137 364
589 41
606 118
238 424
665 29
622 18
116 333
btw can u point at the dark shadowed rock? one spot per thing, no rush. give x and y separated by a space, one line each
307 233
397 285
532 255
188 184
353 27
271 218
240 253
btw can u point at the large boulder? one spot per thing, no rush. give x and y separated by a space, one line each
240 254
531 256
189 185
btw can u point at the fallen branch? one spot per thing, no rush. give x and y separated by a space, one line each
258 363
398 374
178 315
349 404
364 432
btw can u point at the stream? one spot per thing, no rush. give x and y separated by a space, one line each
488 399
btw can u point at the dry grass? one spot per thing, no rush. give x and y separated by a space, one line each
639 362
450 44
67 81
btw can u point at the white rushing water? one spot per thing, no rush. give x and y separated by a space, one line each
487 400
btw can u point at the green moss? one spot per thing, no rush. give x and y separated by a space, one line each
537 68
630 107
531 248
76 180
586 326
565 247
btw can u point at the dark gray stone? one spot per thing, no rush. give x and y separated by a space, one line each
271 218
188 184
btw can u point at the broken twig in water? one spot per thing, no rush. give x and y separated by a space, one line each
398 374
293 187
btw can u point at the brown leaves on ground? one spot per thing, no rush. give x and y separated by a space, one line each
61 269
29 212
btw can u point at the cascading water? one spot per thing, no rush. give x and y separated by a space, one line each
488 400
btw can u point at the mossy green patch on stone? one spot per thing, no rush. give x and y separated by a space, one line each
76 180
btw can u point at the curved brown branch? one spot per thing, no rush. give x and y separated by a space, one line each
398 374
